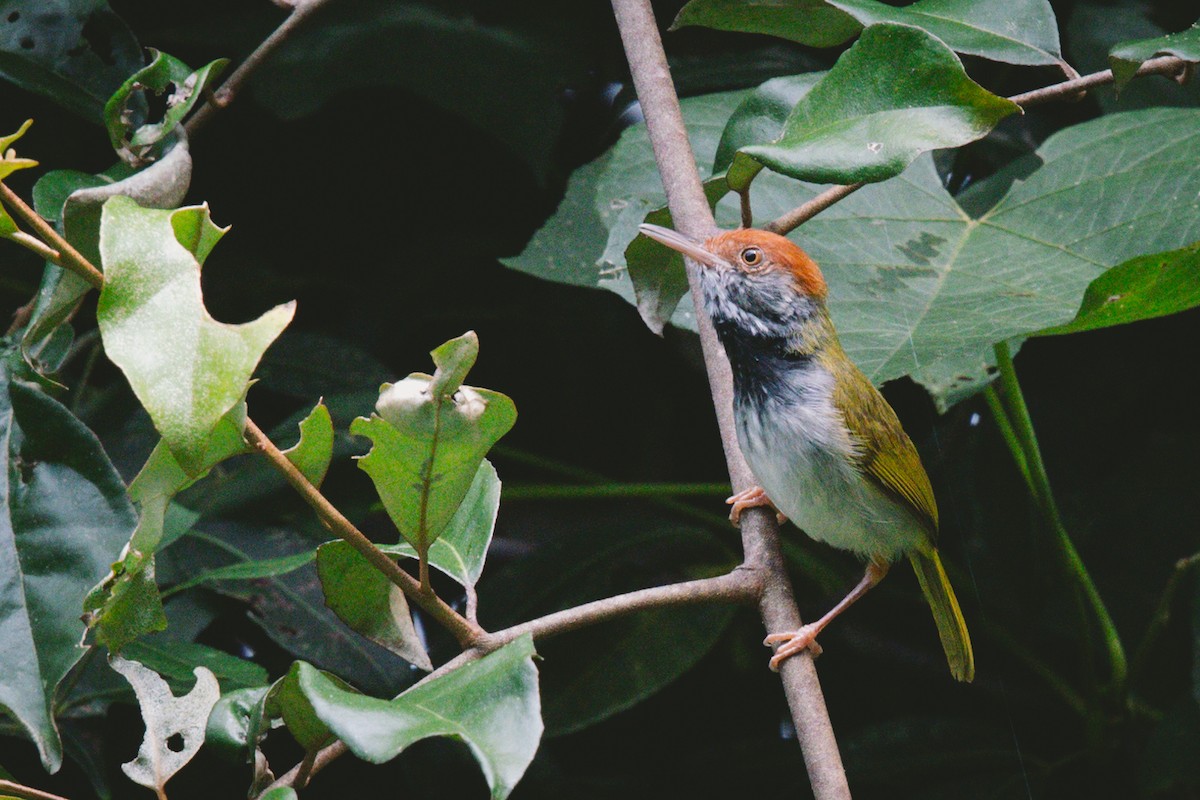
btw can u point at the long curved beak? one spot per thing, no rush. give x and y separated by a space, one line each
684 244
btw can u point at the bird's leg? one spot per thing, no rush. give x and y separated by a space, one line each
795 641
750 498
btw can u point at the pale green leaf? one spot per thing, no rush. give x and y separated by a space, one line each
186 368
313 452
166 717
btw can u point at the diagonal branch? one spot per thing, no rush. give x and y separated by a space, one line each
1163 65
233 85
760 534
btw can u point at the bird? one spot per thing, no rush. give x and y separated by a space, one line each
826 449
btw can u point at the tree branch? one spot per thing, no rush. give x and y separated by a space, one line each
1163 65
760 534
222 97
466 632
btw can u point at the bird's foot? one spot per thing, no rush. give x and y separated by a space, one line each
751 498
793 642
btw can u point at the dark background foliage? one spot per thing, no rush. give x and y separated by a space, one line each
384 211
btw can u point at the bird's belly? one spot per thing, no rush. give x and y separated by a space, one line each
812 480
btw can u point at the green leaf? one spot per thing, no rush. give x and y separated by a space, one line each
167 718
368 602
1127 57
428 443
249 570
897 93
10 163
1142 288
176 661
289 700
1012 31
64 518
76 52
811 22
186 368
126 604
74 201
236 723
615 192
313 452
453 361
492 705
135 139
279 793
462 547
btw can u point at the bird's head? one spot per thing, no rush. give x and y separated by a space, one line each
760 281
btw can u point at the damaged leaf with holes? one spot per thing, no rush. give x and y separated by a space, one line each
429 436
136 139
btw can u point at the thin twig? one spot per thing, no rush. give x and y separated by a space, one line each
68 257
233 85
466 632
1162 615
807 210
760 534
14 789
1164 65
739 586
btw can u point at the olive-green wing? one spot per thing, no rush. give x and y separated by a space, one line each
887 454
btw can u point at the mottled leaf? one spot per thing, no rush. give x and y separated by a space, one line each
187 369
174 725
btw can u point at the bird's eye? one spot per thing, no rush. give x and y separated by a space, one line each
752 257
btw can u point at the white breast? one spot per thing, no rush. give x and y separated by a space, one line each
801 453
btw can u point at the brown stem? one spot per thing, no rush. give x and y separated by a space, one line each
760 533
807 210
1069 89
68 256
233 85
466 632
14 789
304 770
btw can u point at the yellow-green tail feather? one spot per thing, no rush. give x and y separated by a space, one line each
952 628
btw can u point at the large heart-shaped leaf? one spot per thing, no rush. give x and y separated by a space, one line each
920 287
492 705
186 368
1013 31
65 516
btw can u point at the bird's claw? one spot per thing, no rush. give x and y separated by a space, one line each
793 642
751 498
